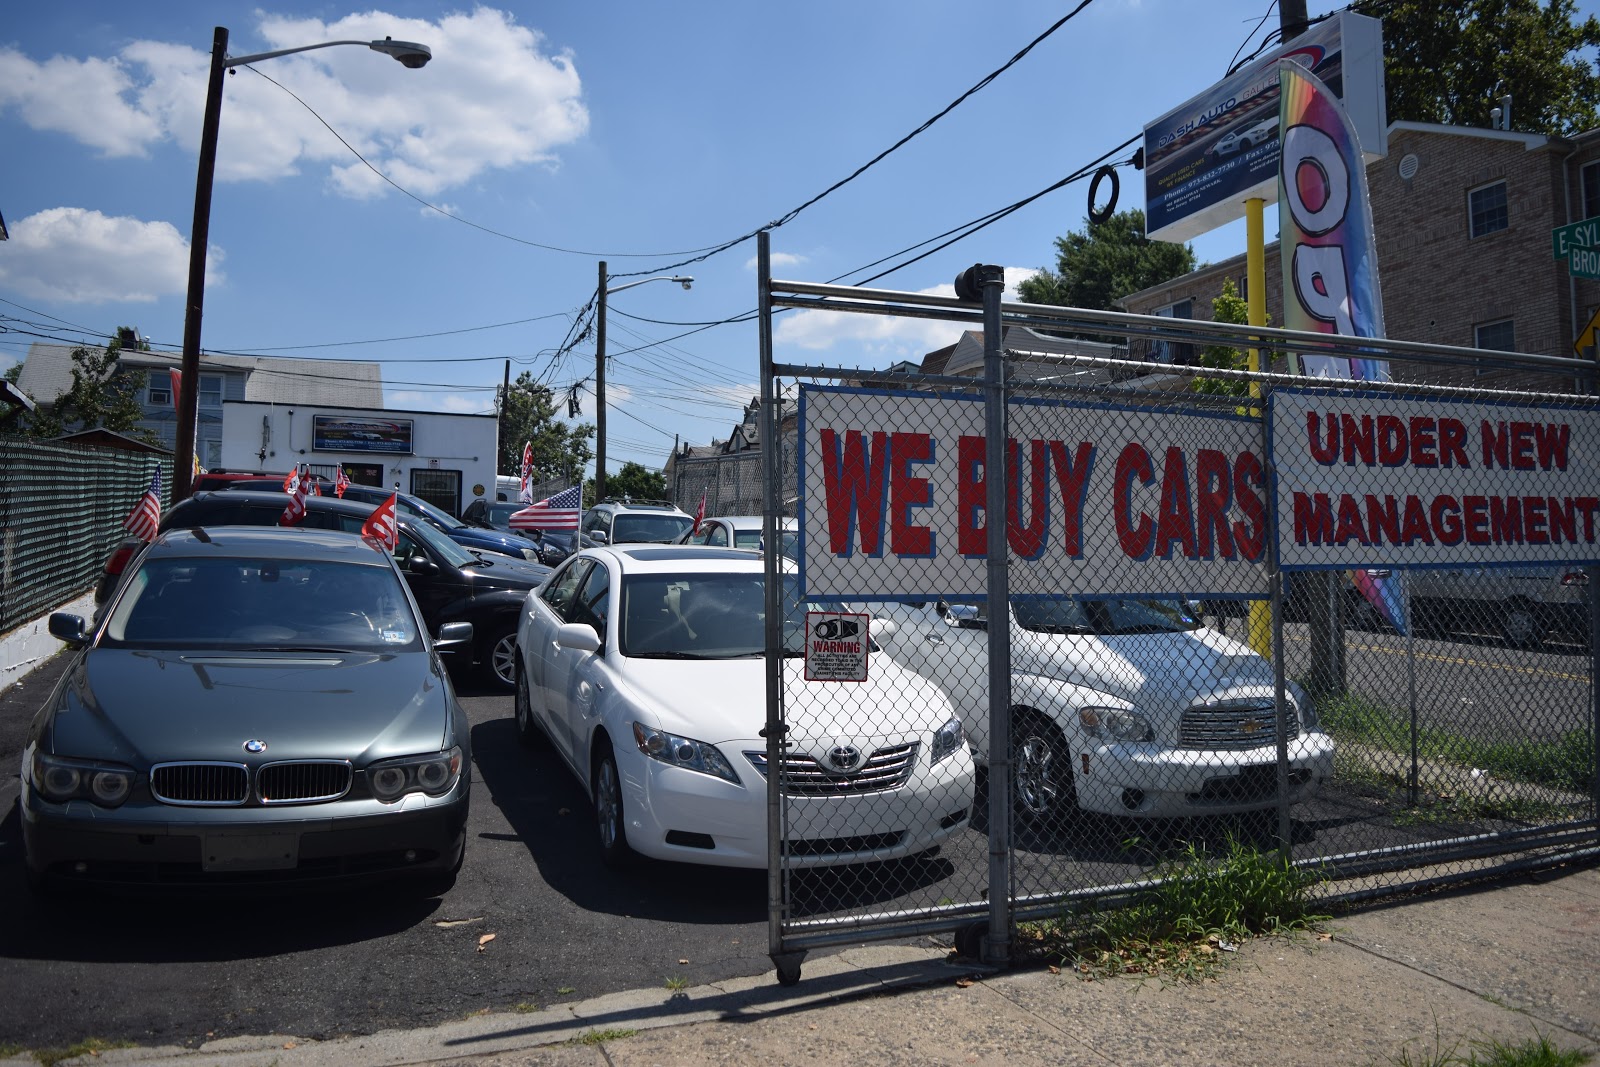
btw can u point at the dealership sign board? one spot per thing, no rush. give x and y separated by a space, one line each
348 433
1103 500
1368 480
1205 158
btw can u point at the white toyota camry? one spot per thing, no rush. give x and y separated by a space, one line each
644 667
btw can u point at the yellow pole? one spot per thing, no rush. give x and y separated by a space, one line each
1259 636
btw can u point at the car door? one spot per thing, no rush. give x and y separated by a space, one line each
949 646
548 609
440 588
572 679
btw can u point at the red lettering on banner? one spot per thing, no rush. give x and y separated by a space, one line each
972 537
1358 440
1391 441
1524 446
906 492
1351 527
1213 501
1422 443
1323 450
1133 463
1072 479
1445 516
1176 524
1414 526
1452 443
1476 509
1551 443
1028 541
1249 486
1383 520
854 481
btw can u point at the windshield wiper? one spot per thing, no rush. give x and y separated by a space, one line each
666 655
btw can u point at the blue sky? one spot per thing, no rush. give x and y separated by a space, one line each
627 132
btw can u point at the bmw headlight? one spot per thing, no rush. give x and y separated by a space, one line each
59 779
683 752
948 738
434 775
531 555
1116 724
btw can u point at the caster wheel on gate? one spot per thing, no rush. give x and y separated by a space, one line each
969 940
788 974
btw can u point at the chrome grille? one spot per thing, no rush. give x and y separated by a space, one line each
303 782
884 770
200 784
1232 724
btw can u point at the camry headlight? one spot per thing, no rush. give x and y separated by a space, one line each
434 775
948 738
1115 724
683 752
60 779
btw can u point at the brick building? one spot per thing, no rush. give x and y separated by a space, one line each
1463 219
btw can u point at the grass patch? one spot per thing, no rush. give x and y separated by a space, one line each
1534 1052
525 1008
49 1057
1203 904
565 991
596 1037
676 983
1566 763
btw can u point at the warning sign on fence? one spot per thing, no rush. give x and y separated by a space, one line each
836 646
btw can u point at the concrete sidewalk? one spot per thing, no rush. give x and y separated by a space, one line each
1510 962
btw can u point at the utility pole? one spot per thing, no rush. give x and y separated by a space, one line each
600 388
500 417
1292 18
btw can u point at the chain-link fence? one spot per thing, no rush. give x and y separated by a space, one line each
1351 626
61 513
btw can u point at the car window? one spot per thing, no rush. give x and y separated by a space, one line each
441 545
593 602
717 536
188 602
562 589
747 539
649 527
705 616
595 520
418 506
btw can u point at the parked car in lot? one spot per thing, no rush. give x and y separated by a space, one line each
741 531
450 583
1242 140
257 705
1521 605
554 546
644 667
617 522
1119 706
475 538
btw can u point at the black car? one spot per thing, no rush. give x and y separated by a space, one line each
554 546
258 707
450 583
475 538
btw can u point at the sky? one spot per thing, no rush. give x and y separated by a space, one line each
451 220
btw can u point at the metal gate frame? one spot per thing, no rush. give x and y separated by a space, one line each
979 301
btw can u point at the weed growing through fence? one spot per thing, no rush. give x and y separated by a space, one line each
1199 906
674 983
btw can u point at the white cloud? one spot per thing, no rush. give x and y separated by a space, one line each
492 97
879 336
478 403
778 259
76 255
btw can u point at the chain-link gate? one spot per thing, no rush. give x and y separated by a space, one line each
1254 614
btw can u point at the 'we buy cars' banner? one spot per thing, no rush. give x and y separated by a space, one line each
1103 500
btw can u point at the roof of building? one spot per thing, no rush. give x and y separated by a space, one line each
47 373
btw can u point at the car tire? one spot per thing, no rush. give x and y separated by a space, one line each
500 658
529 732
1521 625
615 851
1042 789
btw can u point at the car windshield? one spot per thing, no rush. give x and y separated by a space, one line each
634 528
418 506
1113 616
500 514
705 616
441 544
263 604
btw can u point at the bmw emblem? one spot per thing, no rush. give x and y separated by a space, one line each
844 757
254 746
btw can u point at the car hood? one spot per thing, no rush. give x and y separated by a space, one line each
505 572
141 707
477 536
1166 671
725 700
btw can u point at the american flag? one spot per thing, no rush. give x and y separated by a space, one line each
146 514
382 526
559 512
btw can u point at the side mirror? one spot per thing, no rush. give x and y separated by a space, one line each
881 629
453 636
69 628
578 636
599 537
420 565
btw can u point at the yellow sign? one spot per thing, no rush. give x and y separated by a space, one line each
1586 337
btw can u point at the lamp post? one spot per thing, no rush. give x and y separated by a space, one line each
188 400
600 368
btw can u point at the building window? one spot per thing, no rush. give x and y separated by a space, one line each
158 393
1487 210
1590 178
211 390
1178 352
1498 336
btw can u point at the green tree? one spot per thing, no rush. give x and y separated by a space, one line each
528 415
1098 267
1450 61
99 398
12 373
634 481
1228 307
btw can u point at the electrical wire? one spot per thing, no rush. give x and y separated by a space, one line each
1233 63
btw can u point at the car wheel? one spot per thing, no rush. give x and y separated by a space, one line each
500 659
1042 789
614 848
1520 625
528 731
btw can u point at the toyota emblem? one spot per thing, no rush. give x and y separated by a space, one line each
844 757
255 746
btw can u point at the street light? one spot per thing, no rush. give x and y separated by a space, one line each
600 369
411 54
